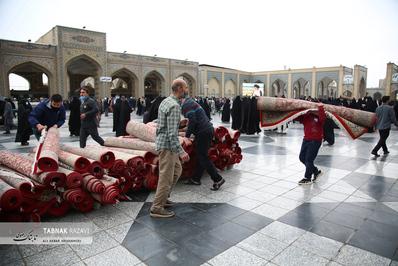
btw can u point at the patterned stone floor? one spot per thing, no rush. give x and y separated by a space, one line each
259 217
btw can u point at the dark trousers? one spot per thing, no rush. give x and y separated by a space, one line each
308 153
93 132
384 133
203 161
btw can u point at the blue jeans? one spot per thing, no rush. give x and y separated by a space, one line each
203 161
308 153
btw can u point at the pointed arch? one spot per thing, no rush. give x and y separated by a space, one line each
124 82
191 83
214 84
230 88
79 68
154 85
33 73
278 88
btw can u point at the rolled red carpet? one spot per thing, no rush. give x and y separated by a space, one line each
28 187
48 157
85 205
73 195
110 196
27 205
58 208
93 184
118 166
150 182
79 163
73 179
10 198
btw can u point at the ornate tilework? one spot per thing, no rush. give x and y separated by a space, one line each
178 72
162 71
11 60
213 74
113 68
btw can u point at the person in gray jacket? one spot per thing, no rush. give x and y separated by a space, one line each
8 116
88 116
385 116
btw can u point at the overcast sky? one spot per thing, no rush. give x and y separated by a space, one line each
245 35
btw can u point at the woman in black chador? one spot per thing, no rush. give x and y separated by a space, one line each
226 111
245 115
117 107
253 124
124 118
74 117
236 113
153 110
24 129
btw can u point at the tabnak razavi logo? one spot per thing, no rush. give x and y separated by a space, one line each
21 236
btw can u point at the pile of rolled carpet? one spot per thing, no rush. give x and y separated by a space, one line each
56 177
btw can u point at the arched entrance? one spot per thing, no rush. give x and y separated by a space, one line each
394 95
278 88
153 84
33 74
300 88
79 69
124 82
230 89
214 85
327 87
191 83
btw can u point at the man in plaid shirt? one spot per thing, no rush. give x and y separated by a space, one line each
169 147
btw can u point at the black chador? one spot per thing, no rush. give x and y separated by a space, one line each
236 113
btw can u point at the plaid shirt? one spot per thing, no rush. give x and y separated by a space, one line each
167 127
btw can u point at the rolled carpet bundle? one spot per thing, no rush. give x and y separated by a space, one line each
136 184
129 172
51 179
86 204
24 165
131 160
10 198
234 134
110 196
73 179
213 154
220 132
105 158
146 170
155 169
95 169
118 166
150 182
58 208
28 187
27 205
48 156
78 163
141 130
93 184
73 195
131 143
147 155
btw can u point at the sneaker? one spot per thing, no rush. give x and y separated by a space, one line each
191 182
305 181
317 176
386 152
216 186
25 143
374 153
162 214
169 203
